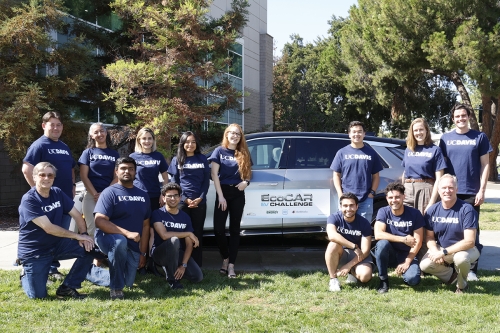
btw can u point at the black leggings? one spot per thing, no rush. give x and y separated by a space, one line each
235 204
197 216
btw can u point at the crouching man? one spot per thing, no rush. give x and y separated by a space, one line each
350 241
168 251
42 239
122 220
451 236
399 231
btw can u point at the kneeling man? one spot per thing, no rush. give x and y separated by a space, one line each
43 238
349 248
122 221
451 227
399 231
170 225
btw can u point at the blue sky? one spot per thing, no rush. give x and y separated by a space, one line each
307 18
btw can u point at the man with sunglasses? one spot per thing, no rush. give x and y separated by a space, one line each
42 239
170 225
122 227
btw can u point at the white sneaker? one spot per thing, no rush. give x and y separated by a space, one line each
334 284
472 276
351 279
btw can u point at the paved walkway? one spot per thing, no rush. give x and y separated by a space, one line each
286 259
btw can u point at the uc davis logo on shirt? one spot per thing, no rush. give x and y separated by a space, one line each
439 219
131 198
349 232
357 157
51 207
461 142
174 225
94 157
149 162
227 157
58 151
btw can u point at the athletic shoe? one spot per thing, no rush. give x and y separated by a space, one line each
383 287
56 275
463 290
334 284
175 284
472 276
116 294
351 279
65 291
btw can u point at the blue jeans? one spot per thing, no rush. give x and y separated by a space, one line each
169 254
66 220
386 256
365 209
123 261
36 270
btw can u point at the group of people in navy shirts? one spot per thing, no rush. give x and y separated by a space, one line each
128 218
430 224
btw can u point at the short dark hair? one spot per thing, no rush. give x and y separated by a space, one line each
349 195
127 160
355 123
51 114
171 187
395 186
459 107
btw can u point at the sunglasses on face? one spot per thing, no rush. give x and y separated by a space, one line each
46 175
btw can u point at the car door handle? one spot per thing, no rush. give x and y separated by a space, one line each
269 184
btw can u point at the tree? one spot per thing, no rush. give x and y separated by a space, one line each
175 70
37 73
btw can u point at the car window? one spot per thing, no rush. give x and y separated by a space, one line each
266 153
315 153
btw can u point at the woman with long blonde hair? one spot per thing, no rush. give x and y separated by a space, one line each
231 173
424 164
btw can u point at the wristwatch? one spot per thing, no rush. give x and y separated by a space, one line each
248 182
143 254
184 265
372 192
85 233
445 252
355 246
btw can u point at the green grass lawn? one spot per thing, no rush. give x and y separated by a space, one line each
293 301
489 219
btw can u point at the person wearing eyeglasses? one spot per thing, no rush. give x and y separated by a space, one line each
174 239
97 170
49 148
231 169
191 171
43 239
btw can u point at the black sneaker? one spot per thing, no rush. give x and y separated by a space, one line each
65 291
383 287
56 275
175 284
116 294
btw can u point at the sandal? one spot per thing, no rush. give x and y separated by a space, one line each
231 273
223 269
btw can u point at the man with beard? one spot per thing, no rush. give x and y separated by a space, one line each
122 221
350 241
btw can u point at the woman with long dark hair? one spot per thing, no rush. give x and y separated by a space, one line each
231 172
424 164
97 170
190 169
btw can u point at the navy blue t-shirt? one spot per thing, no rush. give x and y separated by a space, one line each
424 162
356 166
194 177
149 166
33 240
352 231
125 207
402 225
464 152
228 170
449 224
180 222
101 163
58 154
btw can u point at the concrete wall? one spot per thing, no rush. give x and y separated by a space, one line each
257 60
12 182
